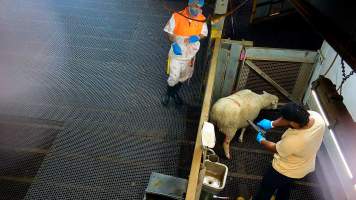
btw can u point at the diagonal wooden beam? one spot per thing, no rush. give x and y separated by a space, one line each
270 80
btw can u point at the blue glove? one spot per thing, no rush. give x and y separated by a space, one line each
265 124
176 49
193 39
259 137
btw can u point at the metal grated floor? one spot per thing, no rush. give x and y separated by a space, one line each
97 67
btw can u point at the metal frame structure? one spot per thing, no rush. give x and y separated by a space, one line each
325 20
227 65
237 58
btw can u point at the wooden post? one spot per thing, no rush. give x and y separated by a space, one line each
221 65
231 70
194 170
228 67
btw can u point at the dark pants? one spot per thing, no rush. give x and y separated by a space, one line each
273 182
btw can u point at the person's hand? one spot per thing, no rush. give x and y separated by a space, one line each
259 137
176 49
194 38
265 124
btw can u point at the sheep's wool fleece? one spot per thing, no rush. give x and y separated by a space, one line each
231 113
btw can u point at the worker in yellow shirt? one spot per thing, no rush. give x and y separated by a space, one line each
184 30
294 154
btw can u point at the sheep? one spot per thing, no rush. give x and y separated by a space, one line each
231 113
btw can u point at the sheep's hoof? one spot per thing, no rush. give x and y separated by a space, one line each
228 156
227 151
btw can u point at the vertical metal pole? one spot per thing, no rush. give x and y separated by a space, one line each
217 27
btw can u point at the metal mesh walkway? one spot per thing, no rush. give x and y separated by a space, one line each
80 112
98 68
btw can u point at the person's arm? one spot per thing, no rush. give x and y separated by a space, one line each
269 146
204 31
280 122
267 124
169 28
172 38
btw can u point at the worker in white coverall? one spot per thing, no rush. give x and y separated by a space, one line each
184 30
295 154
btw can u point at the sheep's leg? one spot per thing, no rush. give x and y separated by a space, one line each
226 146
241 138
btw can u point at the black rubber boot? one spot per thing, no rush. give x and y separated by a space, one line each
167 96
177 100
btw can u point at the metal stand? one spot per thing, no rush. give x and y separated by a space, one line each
162 186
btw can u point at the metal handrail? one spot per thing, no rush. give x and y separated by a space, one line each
193 185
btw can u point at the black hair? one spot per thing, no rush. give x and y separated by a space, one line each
296 113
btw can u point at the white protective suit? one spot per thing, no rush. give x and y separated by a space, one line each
181 67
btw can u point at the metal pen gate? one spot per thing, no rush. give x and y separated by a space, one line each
282 72
237 65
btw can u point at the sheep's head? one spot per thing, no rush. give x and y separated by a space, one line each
270 100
